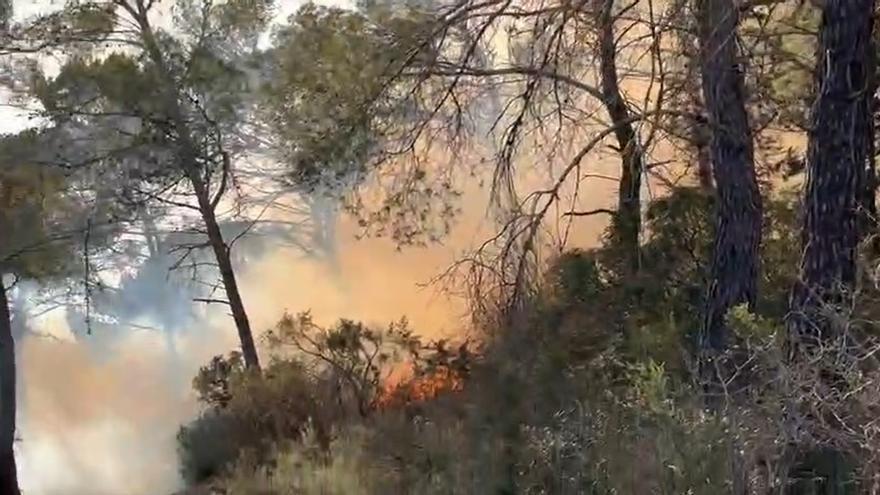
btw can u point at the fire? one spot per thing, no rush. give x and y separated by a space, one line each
420 388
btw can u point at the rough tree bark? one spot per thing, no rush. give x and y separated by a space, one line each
8 473
840 177
733 277
207 202
838 191
628 220
735 257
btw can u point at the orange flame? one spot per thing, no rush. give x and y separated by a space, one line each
420 388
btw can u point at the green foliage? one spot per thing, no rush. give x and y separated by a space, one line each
329 65
240 16
90 18
207 445
651 384
42 220
334 109
215 58
214 382
245 412
330 95
115 81
73 27
113 104
751 327
574 278
112 90
677 252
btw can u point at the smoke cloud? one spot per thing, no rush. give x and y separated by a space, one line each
99 414
99 417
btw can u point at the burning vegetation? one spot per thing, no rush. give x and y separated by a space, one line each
720 337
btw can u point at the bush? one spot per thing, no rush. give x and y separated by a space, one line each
246 412
317 377
207 445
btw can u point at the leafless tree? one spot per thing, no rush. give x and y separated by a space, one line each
569 79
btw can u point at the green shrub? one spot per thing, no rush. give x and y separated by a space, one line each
207 445
246 412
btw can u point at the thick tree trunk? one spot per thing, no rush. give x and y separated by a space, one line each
8 474
735 258
840 178
628 220
733 277
839 192
206 204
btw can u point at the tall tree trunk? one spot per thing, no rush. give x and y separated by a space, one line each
733 277
227 275
735 257
839 191
206 204
8 473
628 220
840 177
